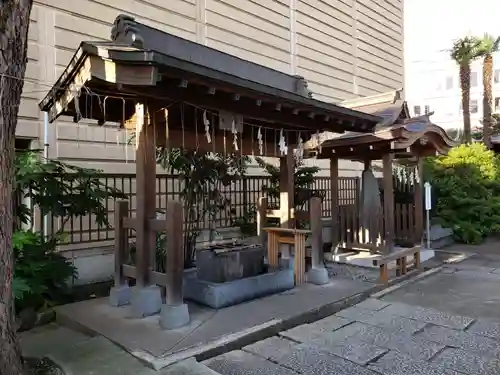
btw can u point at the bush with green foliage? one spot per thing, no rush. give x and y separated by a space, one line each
203 178
466 187
62 191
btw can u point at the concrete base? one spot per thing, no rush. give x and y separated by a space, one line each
218 295
146 301
172 317
365 259
120 295
318 276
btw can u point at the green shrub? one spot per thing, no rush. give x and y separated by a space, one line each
465 185
40 273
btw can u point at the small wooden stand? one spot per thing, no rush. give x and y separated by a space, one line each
296 237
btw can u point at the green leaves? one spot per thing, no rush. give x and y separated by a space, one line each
204 178
466 186
61 189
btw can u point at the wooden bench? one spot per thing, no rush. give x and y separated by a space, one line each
400 257
295 237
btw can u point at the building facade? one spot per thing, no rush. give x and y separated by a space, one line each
432 77
344 49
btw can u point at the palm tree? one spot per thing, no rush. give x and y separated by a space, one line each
488 46
464 51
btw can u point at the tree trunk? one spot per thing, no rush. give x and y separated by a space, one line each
14 24
465 86
487 98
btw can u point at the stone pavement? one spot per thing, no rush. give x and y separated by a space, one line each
448 323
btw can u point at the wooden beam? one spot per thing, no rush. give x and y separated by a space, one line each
388 202
145 193
316 232
261 219
418 199
334 191
246 106
287 189
121 240
175 253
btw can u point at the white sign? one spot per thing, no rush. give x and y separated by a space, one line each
428 196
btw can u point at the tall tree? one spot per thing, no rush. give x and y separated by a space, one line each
464 51
488 46
14 24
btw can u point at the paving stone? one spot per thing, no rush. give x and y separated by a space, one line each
468 362
270 348
373 304
395 363
400 341
242 363
43 340
187 367
429 315
303 333
330 323
459 339
392 322
306 332
355 313
486 328
354 350
482 274
307 359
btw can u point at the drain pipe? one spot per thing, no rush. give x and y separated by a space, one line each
45 160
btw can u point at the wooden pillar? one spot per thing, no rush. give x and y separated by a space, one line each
145 191
334 188
388 202
287 189
261 219
316 232
175 253
418 199
121 240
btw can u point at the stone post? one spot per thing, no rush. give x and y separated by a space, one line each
174 313
318 274
120 294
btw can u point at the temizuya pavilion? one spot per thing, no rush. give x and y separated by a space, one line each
173 92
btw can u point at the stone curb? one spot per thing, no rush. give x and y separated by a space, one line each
271 328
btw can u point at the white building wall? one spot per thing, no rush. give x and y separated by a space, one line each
431 77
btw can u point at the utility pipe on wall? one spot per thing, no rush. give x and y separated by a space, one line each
45 160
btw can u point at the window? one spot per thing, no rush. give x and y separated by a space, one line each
496 105
427 109
473 79
496 76
474 107
449 82
417 110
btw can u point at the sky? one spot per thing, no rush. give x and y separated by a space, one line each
432 25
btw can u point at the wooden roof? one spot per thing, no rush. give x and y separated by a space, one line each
397 133
142 63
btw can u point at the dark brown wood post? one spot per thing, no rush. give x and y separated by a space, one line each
174 313
175 253
317 257
121 240
120 294
287 189
334 191
262 219
145 193
388 202
418 198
